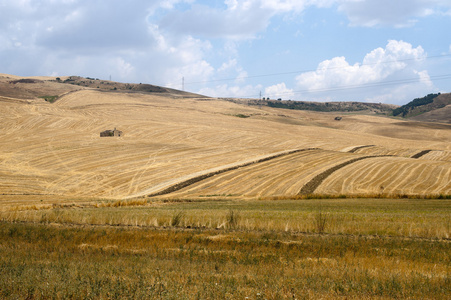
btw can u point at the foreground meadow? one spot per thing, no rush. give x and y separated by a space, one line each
227 249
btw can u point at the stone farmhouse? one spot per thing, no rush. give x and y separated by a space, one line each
114 132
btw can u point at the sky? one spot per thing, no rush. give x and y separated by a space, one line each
388 51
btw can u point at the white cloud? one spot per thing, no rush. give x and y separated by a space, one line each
423 77
169 4
284 5
377 65
224 90
97 38
231 68
231 64
162 41
279 91
123 68
240 19
397 63
171 59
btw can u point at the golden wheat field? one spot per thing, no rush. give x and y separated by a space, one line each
192 146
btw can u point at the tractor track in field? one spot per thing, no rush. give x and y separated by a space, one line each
354 150
315 182
420 154
195 179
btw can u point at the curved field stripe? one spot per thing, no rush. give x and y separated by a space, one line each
311 186
390 175
437 155
195 179
353 150
420 154
280 176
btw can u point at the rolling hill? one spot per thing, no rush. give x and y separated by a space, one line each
178 144
431 108
437 111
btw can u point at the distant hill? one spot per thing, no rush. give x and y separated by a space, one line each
362 107
51 88
442 115
127 87
431 108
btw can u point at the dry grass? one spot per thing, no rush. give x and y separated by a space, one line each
407 218
42 261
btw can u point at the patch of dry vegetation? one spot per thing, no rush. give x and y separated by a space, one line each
41 262
405 218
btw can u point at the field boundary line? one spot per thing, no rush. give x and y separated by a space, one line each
420 154
353 150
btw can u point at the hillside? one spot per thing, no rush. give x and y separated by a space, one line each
437 111
124 87
343 107
32 88
179 145
431 108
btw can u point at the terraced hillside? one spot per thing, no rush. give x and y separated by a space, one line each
187 146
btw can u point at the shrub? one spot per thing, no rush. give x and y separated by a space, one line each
232 219
242 116
177 218
321 221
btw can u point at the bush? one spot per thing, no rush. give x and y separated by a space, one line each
177 218
232 219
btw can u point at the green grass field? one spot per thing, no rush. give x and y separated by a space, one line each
228 249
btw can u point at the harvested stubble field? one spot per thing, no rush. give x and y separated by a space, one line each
55 148
232 209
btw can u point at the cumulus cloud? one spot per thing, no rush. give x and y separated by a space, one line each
97 38
238 91
376 66
279 91
162 41
397 63
75 25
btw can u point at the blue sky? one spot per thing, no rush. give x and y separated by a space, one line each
388 51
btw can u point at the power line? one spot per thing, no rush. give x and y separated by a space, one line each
314 70
359 86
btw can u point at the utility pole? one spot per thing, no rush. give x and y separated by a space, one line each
183 83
